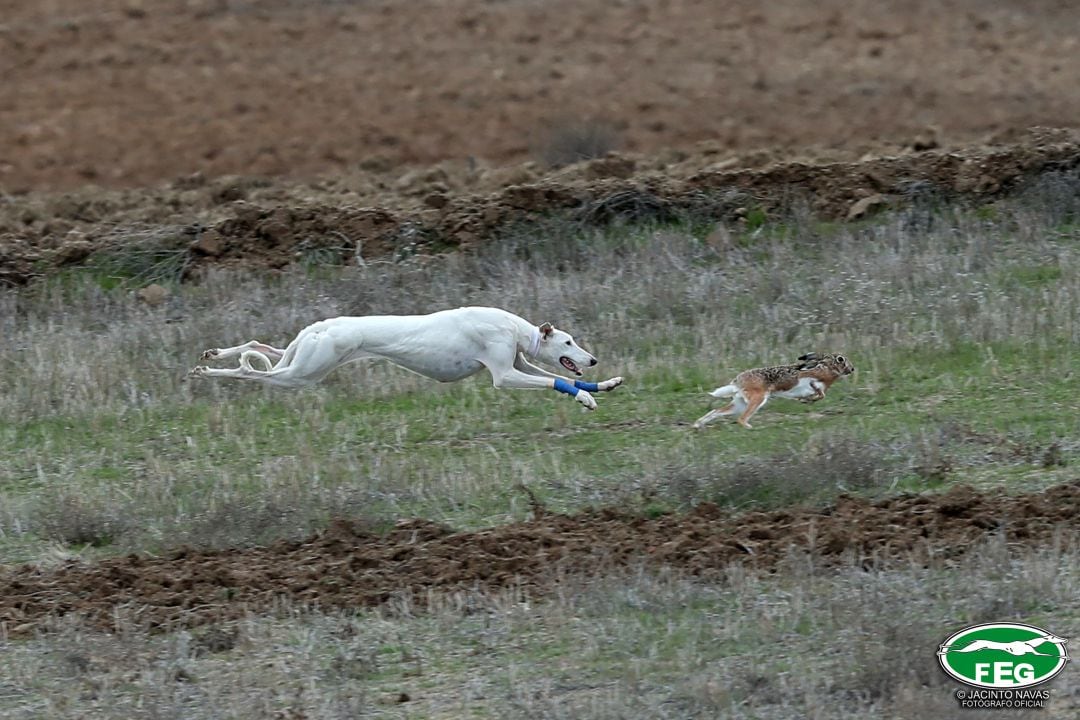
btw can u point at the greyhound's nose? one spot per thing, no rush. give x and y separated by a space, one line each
592 362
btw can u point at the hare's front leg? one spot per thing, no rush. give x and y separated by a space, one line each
816 390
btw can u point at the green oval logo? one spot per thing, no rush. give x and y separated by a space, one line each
1005 656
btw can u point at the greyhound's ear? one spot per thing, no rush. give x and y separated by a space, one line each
546 329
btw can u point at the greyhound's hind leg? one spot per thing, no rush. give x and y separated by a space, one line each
269 351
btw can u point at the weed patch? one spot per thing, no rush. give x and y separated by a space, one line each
821 469
569 142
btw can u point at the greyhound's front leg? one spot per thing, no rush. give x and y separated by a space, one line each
527 367
602 386
225 353
512 378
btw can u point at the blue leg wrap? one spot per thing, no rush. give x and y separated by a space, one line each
565 387
586 386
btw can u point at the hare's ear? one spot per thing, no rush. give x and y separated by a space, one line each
546 329
810 356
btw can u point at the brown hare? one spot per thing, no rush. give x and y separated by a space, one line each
806 381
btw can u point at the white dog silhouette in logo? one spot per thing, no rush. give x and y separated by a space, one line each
1016 647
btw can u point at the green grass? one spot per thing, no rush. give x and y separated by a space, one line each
455 453
963 338
963 331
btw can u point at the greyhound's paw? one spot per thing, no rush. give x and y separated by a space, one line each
608 385
586 399
198 371
209 354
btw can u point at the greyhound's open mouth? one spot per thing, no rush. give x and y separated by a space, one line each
569 364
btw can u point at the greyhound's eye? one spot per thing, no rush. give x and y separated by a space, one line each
569 342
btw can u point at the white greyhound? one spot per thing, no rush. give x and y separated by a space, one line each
1016 647
446 346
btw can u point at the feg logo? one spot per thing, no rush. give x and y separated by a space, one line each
1005 656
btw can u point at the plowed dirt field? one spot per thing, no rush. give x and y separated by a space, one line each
345 567
263 132
130 92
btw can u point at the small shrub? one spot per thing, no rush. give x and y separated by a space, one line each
279 514
238 523
932 460
570 142
1055 196
755 219
810 475
79 520
132 257
626 207
892 654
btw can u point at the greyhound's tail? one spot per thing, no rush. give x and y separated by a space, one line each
248 355
726 391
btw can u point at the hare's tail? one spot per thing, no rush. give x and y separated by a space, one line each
726 391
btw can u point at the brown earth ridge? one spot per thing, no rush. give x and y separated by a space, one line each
263 223
260 132
345 567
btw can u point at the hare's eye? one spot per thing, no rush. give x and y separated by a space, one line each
840 359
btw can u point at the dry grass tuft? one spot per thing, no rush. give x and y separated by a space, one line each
827 466
79 520
568 142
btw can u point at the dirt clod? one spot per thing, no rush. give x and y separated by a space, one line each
153 294
73 251
866 206
208 243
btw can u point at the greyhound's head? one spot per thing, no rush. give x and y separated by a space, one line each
558 348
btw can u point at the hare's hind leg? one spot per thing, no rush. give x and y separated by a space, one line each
735 407
755 400
709 417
